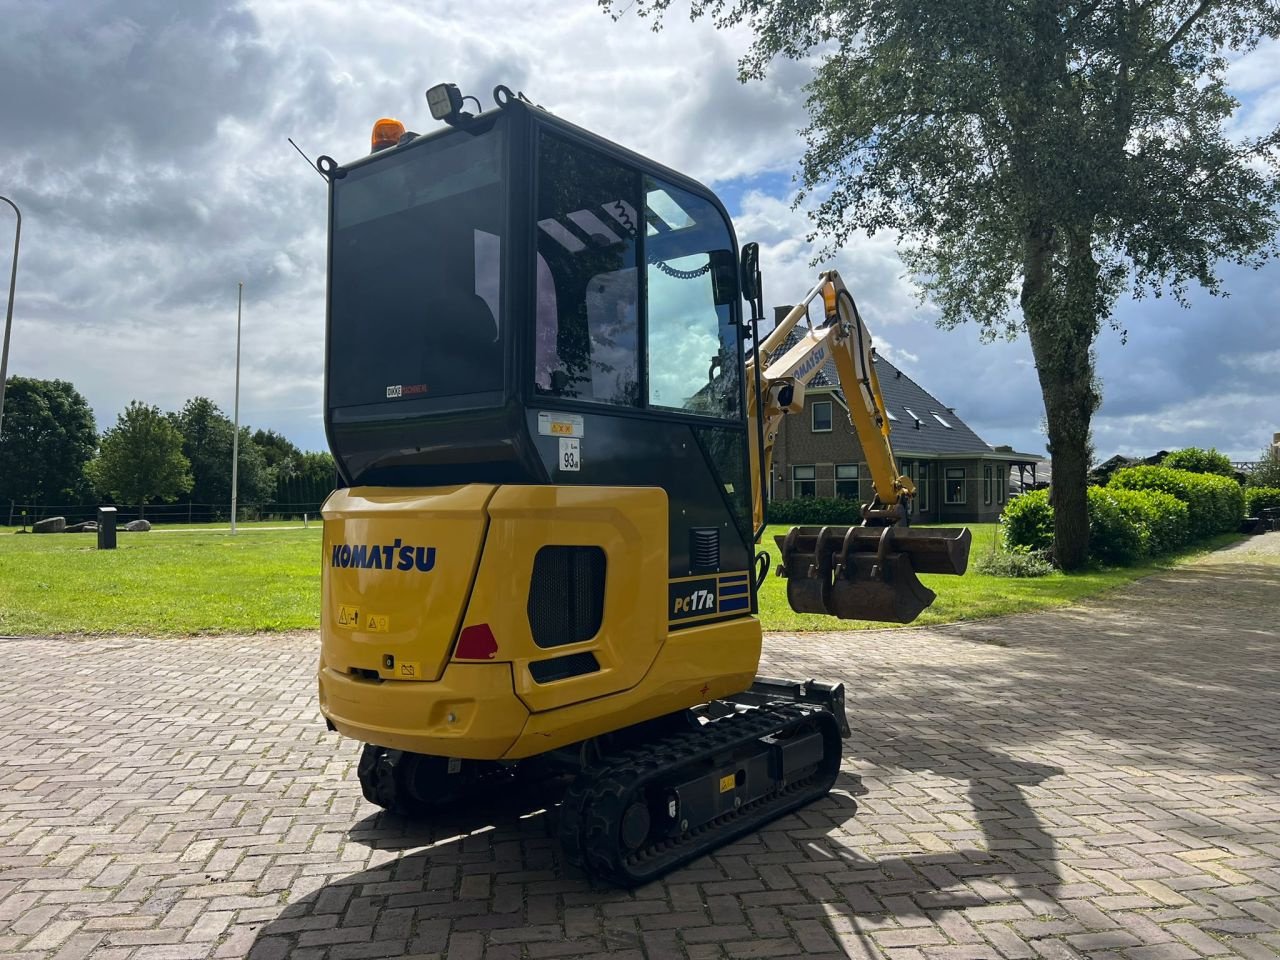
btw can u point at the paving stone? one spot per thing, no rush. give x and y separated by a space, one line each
1096 781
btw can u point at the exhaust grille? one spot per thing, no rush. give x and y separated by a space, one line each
704 549
566 595
561 668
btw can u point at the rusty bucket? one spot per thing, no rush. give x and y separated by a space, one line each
868 573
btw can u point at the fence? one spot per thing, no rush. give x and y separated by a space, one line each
20 514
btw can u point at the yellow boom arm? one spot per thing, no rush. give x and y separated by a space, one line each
843 338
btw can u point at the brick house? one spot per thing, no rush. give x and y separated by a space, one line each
959 477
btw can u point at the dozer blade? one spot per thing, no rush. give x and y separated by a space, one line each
868 573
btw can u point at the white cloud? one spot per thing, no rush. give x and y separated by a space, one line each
147 146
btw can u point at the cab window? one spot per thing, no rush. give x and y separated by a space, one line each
588 287
692 341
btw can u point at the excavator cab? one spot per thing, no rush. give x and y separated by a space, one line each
513 300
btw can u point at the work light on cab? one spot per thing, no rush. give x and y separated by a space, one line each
386 133
444 101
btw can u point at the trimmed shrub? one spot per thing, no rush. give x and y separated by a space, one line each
815 510
1163 521
1116 537
1200 461
1257 499
1125 526
1215 504
1027 521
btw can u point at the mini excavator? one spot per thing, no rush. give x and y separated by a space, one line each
553 421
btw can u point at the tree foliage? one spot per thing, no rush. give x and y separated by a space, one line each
1200 461
1036 158
141 459
1266 472
207 435
49 436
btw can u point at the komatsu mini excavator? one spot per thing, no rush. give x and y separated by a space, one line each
553 444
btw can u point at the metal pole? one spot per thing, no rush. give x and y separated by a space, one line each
8 317
235 439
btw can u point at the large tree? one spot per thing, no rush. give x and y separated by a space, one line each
49 436
207 435
1036 158
141 458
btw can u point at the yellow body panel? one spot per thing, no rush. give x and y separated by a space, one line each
469 712
696 664
395 608
378 622
630 524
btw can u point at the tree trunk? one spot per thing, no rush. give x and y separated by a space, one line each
1062 319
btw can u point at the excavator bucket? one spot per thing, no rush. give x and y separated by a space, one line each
868 573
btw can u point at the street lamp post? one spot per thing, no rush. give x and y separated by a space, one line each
235 437
8 317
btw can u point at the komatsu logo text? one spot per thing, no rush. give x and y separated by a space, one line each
812 363
378 556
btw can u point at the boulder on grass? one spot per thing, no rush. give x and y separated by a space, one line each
138 526
87 526
50 525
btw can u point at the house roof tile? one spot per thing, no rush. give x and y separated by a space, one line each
940 431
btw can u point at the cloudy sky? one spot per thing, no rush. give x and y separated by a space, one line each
145 141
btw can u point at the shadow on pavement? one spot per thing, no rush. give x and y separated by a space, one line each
495 866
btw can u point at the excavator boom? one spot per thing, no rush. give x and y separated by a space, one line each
865 572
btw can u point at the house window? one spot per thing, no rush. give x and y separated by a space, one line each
804 481
938 417
822 416
847 481
922 486
986 483
954 488
1000 485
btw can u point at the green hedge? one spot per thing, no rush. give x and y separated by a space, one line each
1125 526
815 510
1027 521
1200 461
1257 499
1216 504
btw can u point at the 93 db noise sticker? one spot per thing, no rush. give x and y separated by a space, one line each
570 453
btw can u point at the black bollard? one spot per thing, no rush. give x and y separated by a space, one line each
106 528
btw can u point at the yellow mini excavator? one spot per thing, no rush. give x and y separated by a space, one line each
553 442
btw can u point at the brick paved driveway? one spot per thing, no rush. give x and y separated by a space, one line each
1100 782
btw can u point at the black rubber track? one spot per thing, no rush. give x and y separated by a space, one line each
592 811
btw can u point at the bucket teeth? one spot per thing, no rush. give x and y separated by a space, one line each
868 573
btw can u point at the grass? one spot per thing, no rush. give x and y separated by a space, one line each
164 583
178 581
973 596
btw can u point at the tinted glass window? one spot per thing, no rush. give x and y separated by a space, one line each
588 291
692 340
415 274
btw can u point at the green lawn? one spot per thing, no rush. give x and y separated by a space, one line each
164 582
183 581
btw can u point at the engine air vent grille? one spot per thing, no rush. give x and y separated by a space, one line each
566 595
704 549
561 668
